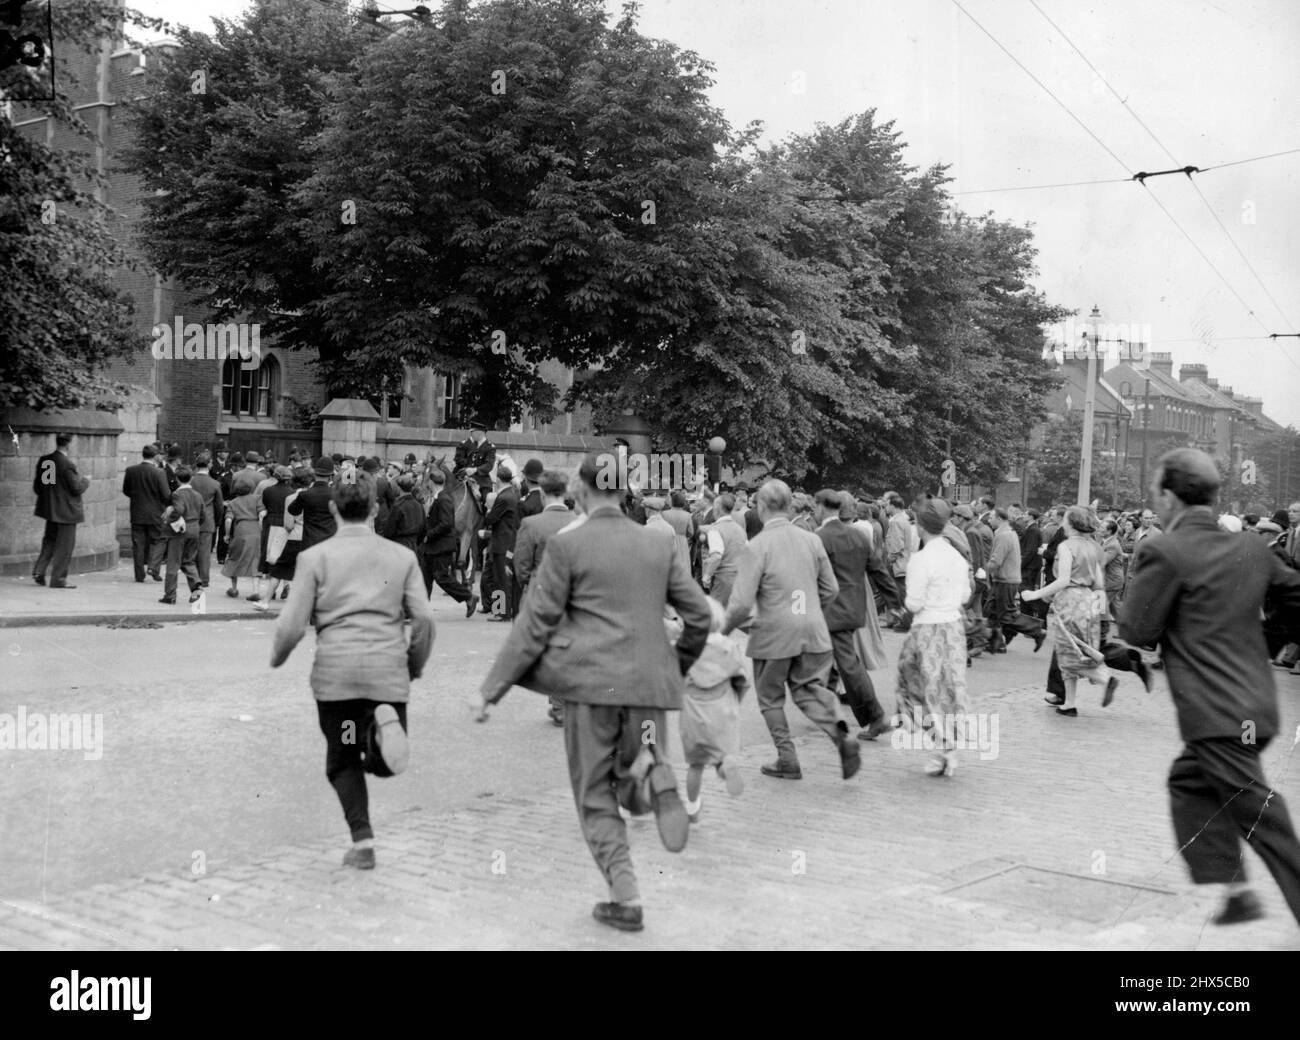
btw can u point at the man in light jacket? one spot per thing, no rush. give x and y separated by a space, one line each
358 589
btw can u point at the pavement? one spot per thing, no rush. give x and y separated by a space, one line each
115 596
204 820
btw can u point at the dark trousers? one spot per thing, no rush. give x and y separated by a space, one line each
148 547
182 555
56 551
1005 615
1119 658
350 753
498 585
440 568
806 676
1218 795
858 687
601 742
204 561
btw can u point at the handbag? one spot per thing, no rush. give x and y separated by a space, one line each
276 539
292 524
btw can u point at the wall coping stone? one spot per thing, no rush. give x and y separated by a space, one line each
84 421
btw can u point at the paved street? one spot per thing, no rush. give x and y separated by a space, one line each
207 821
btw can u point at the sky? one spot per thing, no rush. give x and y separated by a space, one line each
1213 82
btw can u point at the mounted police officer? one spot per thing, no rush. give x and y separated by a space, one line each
476 456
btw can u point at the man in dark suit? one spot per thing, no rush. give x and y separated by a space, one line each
591 632
531 495
530 546
58 488
183 545
439 553
313 505
174 462
1198 591
146 487
852 559
499 529
476 457
214 511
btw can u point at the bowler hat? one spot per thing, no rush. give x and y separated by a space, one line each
324 467
533 469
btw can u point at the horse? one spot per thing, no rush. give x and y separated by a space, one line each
470 511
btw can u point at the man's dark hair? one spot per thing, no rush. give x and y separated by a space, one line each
174 452
678 499
236 460
726 501
1110 527
593 465
184 473
438 476
554 483
1190 475
829 498
406 481
203 458
895 500
1000 512
989 501
62 440
354 501
149 451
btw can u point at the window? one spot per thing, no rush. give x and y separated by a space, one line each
395 392
449 401
249 390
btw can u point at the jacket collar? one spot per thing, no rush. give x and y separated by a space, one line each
1193 516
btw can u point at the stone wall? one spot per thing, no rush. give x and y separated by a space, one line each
27 435
139 418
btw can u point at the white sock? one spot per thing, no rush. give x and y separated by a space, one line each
364 843
693 807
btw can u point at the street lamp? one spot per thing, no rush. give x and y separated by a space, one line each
1089 407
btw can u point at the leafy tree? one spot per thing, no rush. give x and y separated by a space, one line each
1055 472
63 318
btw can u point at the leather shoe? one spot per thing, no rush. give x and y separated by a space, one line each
669 812
168 599
850 758
1109 695
61 585
40 580
1239 909
1039 639
1141 670
362 859
781 771
1055 701
470 605
882 725
159 577
616 915
1069 713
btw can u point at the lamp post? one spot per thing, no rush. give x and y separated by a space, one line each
1089 407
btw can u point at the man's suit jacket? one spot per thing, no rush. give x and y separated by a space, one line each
591 628
1031 564
440 535
1198 591
146 487
214 503
169 474
313 505
534 533
852 559
531 504
502 520
404 522
58 488
786 571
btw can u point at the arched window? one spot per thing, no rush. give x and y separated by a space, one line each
248 391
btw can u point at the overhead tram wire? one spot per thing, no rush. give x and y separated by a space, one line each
1112 154
1172 158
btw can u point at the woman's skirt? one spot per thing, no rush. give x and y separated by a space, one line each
244 553
1074 622
932 679
282 569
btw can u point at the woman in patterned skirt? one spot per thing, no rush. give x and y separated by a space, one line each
1078 598
932 662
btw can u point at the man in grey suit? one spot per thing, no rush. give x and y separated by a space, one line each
591 632
1199 591
788 574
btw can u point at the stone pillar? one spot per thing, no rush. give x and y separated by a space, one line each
349 427
27 435
139 417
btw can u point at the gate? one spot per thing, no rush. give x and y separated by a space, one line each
279 443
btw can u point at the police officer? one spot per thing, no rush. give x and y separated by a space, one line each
477 455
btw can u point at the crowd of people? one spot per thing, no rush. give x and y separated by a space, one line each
588 576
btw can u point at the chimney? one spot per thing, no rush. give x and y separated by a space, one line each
1254 405
1163 363
1213 384
1187 372
1226 391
